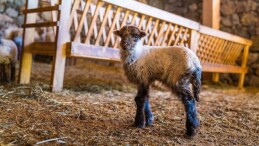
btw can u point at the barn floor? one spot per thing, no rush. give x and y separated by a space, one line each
97 108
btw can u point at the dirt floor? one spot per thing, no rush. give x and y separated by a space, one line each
97 108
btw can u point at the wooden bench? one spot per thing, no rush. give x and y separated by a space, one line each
86 30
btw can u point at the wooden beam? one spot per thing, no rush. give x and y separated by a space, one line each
224 35
211 18
223 68
44 24
211 13
244 62
28 35
44 48
62 38
43 9
194 41
91 51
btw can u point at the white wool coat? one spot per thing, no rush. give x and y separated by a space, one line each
145 64
8 51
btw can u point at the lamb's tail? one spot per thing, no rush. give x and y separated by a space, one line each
196 83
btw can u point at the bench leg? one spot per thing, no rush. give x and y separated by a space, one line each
28 35
215 77
241 80
58 71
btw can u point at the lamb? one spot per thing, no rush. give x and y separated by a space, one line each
8 58
175 66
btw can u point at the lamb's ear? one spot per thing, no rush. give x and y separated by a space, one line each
117 32
142 34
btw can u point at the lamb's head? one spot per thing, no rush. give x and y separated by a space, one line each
130 36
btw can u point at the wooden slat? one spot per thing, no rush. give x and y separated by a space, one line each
44 24
54 14
153 32
85 25
90 31
103 24
43 9
184 36
91 51
166 34
116 17
73 11
147 28
44 48
122 24
81 23
224 35
178 36
207 67
141 21
154 12
160 33
134 18
172 35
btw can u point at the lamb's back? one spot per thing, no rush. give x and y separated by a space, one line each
169 63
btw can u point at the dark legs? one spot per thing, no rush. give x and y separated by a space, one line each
12 71
148 114
192 122
144 115
4 73
1 73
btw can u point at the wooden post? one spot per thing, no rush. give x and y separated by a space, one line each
194 41
244 61
211 13
62 38
211 18
28 35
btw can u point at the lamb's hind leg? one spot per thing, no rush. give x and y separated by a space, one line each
1 73
141 103
192 122
148 113
5 73
12 71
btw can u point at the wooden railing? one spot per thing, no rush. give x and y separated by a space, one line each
98 23
91 29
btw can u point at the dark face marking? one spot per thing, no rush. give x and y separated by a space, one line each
130 35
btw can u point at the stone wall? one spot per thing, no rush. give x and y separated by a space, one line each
12 19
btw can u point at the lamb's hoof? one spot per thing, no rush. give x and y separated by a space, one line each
150 121
191 132
191 128
139 124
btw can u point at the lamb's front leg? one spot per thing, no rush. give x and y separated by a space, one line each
141 102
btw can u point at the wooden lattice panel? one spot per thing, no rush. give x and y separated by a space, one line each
94 24
218 51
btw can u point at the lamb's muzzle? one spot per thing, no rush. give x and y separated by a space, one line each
175 66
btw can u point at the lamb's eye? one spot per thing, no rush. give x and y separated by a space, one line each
135 37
